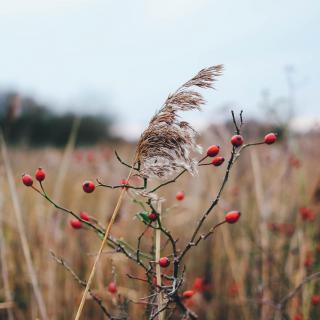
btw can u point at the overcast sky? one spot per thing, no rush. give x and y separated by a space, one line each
131 54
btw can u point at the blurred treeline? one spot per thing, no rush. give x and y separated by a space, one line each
26 121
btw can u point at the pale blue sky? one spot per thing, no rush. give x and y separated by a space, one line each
133 53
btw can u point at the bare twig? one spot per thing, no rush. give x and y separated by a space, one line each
124 163
82 283
292 293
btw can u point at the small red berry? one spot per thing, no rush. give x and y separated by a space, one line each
91 156
298 317
308 259
84 216
217 161
286 229
180 195
315 299
307 214
40 174
199 285
124 183
75 224
88 186
164 262
153 216
187 294
270 138
233 289
237 140
232 216
213 150
112 287
27 180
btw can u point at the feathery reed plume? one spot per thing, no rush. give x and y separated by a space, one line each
166 145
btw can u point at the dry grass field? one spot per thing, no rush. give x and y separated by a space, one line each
244 271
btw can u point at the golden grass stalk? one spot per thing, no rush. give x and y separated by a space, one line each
264 239
3 255
57 191
164 147
158 268
108 228
22 233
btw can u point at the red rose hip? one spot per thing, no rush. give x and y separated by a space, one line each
270 138
315 299
164 262
180 195
213 150
237 140
124 184
112 287
40 174
88 186
75 224
153 216
232 216
27 180
217 161
84 216
187 294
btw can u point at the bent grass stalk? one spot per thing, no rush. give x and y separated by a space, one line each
22 233
105 238
57 192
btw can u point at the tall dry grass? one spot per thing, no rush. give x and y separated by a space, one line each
246 267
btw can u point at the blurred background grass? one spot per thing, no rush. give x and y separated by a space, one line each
265 252
104 68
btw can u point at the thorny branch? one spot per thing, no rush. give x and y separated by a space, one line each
170 292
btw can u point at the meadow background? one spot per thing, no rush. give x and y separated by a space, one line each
80 79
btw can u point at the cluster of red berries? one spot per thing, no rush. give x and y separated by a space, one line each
76 223
237 141
40 175
213 152
198 286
